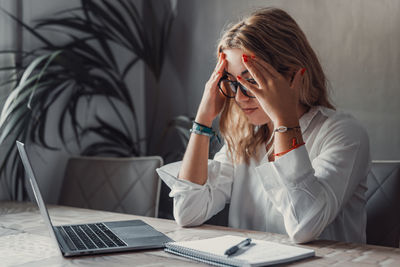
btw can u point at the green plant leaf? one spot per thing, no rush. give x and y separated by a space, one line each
8 81
15 125
75 24
41 72
138 24
8 68
129 66
86 69
14 98
30 29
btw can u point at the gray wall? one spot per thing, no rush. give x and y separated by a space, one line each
357 42
7 27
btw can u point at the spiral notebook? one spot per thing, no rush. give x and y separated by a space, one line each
258 253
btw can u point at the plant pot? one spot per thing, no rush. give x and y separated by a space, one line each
127 185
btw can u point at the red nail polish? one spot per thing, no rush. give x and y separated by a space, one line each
238 77
245 59
302 71
253 56
223 56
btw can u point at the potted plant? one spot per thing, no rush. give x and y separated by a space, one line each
77 72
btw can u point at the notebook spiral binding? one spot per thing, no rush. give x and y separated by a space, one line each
208 258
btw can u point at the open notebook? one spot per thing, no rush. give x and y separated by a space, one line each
258 253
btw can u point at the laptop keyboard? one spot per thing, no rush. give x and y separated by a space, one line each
90 236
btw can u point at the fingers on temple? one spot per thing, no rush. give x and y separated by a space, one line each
267 75
218 72
265 65
256 71
251 87
220 66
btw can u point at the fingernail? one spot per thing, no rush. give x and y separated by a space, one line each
238 77
219 72
253 56
245 58
302 71
223 55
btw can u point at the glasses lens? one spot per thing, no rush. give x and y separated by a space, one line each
227 88
245 91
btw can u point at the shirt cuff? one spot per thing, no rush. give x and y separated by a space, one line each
288 171
218 174
169 174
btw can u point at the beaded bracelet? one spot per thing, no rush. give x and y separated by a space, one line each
201 129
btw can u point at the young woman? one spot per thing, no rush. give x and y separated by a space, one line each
291 164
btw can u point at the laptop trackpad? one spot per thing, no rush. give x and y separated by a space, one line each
138 233
129 232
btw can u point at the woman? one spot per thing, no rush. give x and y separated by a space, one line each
291 164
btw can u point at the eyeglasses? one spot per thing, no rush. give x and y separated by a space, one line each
229 87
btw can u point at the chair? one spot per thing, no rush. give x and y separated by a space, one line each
383 204
128 185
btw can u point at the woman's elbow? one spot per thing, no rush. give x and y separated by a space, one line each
183 222
186 219
302 236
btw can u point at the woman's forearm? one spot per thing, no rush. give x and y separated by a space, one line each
194 165
195 160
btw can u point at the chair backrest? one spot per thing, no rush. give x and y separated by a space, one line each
128 185
383 204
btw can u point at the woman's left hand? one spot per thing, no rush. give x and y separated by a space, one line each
278 98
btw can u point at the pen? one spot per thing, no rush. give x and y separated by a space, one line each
232 250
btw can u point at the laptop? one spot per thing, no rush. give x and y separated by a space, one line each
95 238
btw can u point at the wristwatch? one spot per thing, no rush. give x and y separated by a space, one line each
283 129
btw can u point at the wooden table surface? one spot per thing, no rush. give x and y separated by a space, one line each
24 241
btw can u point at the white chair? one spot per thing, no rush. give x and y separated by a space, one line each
383 203
127 185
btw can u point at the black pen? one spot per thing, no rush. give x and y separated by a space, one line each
232 250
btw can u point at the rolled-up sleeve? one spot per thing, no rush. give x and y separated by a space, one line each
309 194
193 203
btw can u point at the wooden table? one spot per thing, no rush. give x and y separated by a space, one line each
24 241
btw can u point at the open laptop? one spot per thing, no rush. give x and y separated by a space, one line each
95 238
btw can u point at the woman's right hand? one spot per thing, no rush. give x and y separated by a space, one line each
212 101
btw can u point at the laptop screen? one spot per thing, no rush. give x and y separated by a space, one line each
36 191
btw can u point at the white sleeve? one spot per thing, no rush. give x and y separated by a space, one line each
308 194
193 203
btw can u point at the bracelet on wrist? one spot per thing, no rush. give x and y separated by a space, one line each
284 129
200 129
202 125
294 146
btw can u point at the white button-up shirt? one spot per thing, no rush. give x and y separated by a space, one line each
314 191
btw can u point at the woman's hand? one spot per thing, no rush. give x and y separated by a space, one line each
212 101
277 97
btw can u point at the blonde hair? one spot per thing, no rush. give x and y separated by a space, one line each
274 36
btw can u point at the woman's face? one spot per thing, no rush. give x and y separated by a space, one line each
250 106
